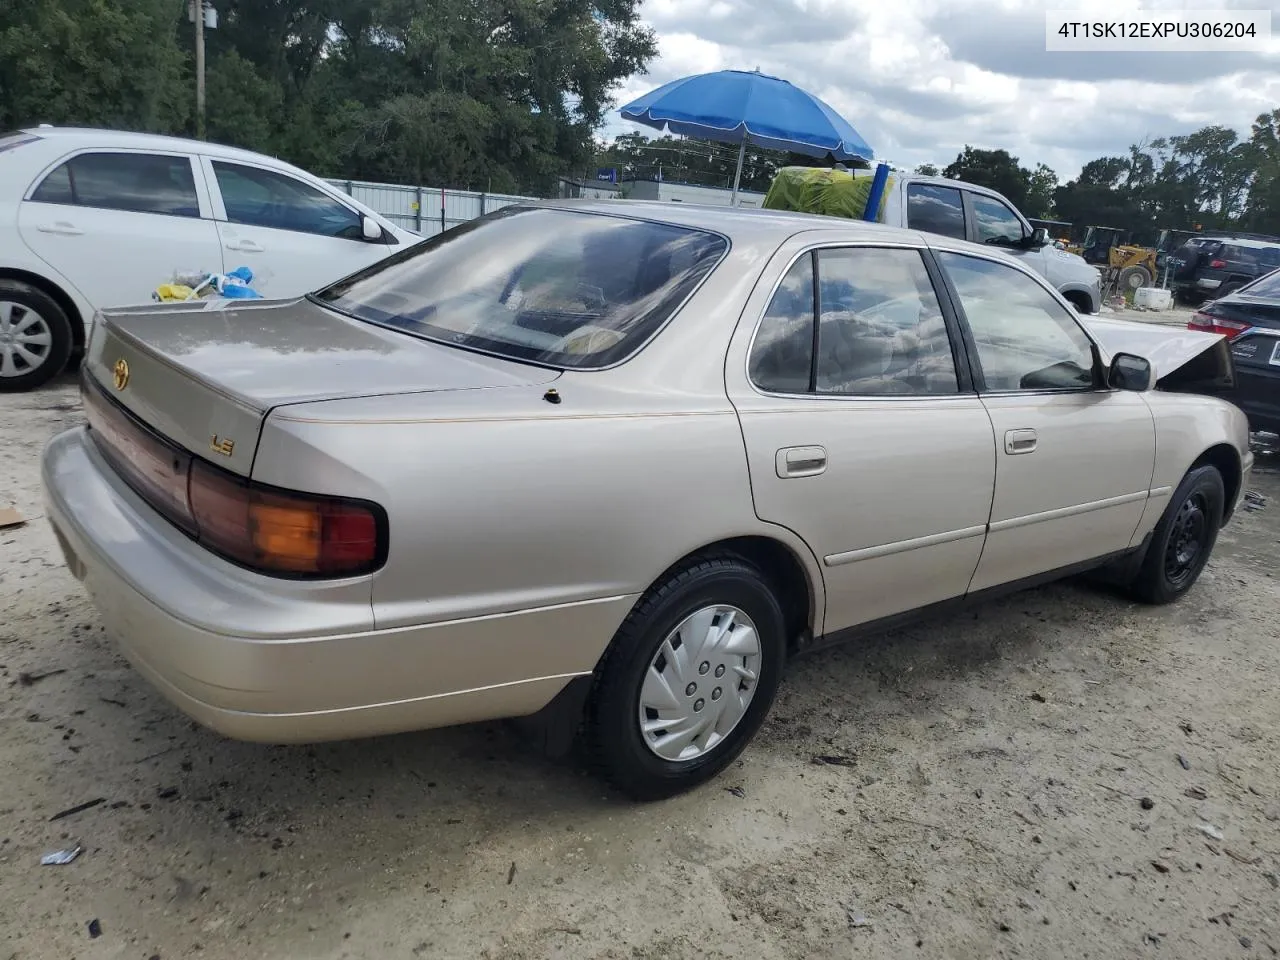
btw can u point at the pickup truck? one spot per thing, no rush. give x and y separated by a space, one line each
952 208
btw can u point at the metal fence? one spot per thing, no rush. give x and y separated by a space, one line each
425 210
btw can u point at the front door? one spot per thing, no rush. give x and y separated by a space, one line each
1073 458
862 437
120 223
292 235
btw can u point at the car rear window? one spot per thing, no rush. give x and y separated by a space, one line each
562 288
1267 286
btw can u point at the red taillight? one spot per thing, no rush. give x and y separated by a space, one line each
1217 264
1208 323
282 531
273 531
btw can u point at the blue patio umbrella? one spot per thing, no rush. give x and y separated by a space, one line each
738 106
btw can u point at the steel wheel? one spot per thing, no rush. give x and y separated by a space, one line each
1188 535
699 683
26 339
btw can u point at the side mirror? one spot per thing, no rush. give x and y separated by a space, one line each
1129 372
1039 238
370 229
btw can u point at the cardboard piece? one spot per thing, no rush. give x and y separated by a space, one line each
10 517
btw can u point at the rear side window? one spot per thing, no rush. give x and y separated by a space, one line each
557 287
782 354
1242 256
135 182
264 198
935 210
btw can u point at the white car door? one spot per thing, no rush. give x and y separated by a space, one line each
118 223
295 237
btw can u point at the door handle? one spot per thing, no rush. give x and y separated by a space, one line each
800 461
62 228
245 246
1019 441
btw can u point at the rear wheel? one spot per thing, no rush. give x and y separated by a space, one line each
1183 539
35 337
1134 278
688 679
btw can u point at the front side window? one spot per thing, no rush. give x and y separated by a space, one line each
1025 339
782 354
880 329
995 222
134 182
935 210
264 198
557 287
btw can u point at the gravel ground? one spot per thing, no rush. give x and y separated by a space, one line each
1025 780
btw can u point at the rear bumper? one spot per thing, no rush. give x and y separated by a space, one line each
312 667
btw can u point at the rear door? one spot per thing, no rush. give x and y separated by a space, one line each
295 237
118 223
864 436
1074 459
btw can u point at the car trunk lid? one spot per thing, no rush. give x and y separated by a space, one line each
205 374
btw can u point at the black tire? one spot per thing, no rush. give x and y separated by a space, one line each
53 357
617 748
1183 539
1134 278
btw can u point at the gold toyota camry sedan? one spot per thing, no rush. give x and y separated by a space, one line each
611 464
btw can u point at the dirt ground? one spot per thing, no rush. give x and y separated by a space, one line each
1026 780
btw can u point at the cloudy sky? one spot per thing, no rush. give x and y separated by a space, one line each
921 78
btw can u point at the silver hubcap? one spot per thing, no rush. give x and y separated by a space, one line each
25 339
699 683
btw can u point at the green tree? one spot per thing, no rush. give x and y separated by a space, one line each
105 63
995 169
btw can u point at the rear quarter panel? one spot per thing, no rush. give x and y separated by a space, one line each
500 501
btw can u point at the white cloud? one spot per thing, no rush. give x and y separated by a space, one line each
922 78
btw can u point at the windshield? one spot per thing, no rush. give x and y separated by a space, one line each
1267 286
557 287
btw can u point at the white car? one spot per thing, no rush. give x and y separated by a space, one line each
99 218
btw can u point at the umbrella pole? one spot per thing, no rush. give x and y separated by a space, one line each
737 176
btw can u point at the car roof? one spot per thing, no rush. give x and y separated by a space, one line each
97 137
743 224
1249 244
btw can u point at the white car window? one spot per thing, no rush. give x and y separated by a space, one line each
880 327
1025 339
935 209
136 182
263 198
996 222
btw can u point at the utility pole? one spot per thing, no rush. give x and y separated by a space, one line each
199 18
202 14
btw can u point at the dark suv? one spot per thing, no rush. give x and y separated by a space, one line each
1206 268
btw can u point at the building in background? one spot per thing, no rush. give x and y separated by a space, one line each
688 193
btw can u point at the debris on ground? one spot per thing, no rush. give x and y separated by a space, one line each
1196 793
1245 942
95 929
60 858
736 791
31 679
511 874
1254 501
1160 867
1209 830
78 808
832 760
1146 803
1184 762
10 517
